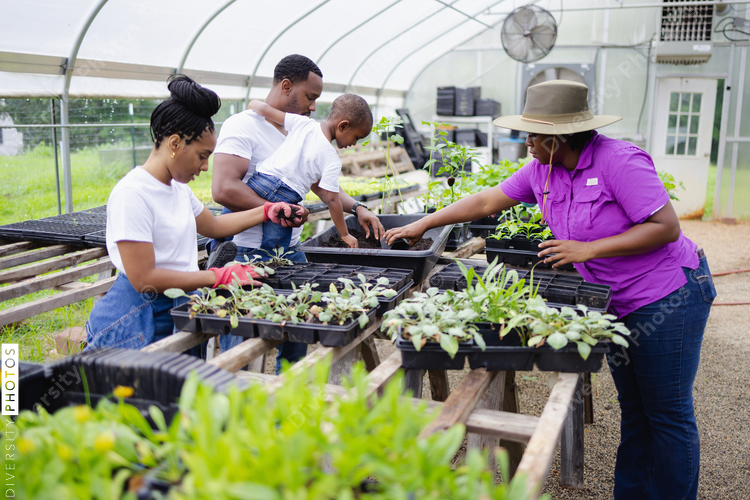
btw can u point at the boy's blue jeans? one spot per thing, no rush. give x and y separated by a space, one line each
659 453
274 190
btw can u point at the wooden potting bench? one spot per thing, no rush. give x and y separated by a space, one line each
485 402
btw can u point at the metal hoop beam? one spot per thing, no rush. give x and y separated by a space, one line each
380 93
198 33
64 106
320 58
275 39
348 85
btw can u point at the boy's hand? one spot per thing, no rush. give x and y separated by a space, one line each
350 240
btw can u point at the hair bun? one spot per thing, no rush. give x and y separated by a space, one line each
195 98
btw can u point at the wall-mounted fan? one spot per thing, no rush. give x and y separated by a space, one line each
529 33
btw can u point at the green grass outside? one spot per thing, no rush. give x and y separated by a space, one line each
27 191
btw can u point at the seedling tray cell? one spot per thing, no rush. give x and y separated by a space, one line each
568 360
459 235
431 356
502 358
481 230
336 336
182 321
386 304
421 262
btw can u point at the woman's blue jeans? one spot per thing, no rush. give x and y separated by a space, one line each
130 319
659 453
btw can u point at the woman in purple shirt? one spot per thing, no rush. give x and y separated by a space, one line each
613 220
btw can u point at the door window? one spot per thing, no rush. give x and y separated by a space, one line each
682 126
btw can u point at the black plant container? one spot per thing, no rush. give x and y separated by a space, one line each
431 356
421 262
568 360
459 235
182 321
522 258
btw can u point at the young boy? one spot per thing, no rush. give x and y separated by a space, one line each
308 161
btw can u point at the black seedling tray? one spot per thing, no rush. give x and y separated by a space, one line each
316 207
84 217
49 231
372 196
182 321
481 231
568 360
522 258
421 262
490 220
98 239
459 235
405 189
156 378
309 333
515 243
386 304
431 356
500 354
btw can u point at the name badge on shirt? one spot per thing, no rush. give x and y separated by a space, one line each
594 181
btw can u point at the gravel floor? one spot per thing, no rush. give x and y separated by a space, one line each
722 387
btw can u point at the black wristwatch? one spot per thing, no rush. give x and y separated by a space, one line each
355 206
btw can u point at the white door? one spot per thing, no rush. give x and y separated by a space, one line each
683 127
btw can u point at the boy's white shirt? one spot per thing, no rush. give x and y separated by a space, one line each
305 157
250 136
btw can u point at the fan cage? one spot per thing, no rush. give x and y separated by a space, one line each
691 23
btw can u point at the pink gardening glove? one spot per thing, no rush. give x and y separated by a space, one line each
281 213
225 275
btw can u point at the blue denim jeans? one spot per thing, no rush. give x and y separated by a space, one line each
659 453
274 190
290 351
129 319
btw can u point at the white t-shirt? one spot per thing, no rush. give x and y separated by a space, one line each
140 208
248 135
306 157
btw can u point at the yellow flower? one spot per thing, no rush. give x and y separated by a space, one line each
82 413
104 442
64 451
25 445
122 391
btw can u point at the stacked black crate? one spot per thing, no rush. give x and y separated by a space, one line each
464 102
446 99
486 107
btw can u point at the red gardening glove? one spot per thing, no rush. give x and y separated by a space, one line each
226 275
281 213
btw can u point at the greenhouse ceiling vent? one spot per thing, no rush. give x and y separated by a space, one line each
685 34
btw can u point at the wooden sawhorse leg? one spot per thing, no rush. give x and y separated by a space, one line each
571 441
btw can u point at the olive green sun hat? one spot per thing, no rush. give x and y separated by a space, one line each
556 107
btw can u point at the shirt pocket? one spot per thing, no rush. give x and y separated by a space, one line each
554 209
585 207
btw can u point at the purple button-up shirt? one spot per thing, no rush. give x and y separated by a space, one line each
613 187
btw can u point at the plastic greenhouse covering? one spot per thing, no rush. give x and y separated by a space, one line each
136 44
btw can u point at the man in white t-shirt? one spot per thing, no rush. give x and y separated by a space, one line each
246 139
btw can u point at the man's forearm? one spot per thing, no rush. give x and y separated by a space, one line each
238 196
347 202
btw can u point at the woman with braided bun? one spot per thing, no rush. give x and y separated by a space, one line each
152 220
